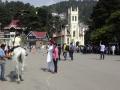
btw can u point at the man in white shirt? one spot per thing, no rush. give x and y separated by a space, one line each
17 41
102 51
113 49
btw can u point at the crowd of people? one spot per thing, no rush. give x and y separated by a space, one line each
110 49
54 54
56 50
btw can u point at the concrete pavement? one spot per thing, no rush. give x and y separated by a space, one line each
85 72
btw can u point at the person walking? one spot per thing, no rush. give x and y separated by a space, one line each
65 51
113 49
2 62
71 50
55 57
59 51
102 51
50 56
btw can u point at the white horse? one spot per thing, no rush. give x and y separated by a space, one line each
19 55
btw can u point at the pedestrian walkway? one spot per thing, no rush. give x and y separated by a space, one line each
85 72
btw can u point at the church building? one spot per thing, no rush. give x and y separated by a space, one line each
74 31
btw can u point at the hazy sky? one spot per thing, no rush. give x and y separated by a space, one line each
38 2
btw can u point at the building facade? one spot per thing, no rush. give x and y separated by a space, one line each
74 31
37 38
11 30
75 28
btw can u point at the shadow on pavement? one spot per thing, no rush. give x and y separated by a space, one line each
44 69
12 75
117 60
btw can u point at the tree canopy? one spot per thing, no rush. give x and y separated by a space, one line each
40 18
105 21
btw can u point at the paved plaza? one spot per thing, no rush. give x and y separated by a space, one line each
86 72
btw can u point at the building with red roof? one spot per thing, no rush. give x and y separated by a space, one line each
16 24
35 37
14 27
11 29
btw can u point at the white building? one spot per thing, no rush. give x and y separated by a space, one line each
74 31
74 27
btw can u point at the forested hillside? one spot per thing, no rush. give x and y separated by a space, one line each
85 8
40 18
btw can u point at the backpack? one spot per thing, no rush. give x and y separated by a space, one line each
67 48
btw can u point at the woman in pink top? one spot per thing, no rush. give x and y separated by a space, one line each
55 57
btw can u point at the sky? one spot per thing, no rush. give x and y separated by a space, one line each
38 3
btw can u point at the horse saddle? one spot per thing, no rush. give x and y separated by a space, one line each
13 48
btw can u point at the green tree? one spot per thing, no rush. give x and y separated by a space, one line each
105 21
43 20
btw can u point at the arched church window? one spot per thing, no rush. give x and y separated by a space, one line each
72 18
75 18
67 40
73 33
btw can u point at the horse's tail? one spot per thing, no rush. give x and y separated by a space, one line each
20 58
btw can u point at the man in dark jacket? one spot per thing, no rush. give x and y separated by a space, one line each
71 50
